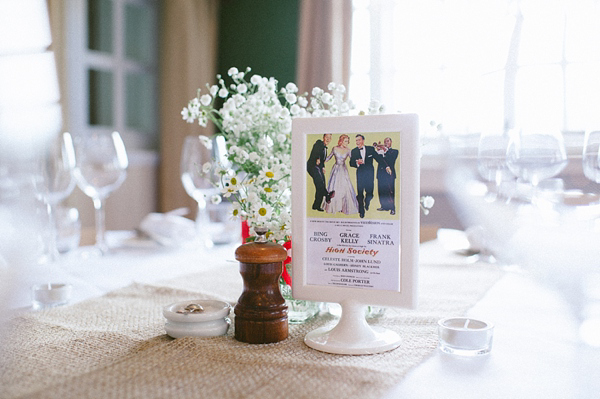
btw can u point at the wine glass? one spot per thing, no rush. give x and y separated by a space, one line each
591 156
534 156
101 168
53 182
200 184
491 158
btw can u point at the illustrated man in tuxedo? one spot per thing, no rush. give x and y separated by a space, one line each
386 176
315 167
361 158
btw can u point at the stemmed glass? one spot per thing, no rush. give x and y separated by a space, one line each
535 156
591 156
53 182
491 158
200 184
101 168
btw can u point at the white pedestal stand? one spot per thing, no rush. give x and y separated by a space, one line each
352 335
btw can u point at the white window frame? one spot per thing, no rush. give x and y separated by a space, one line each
381 69
81 59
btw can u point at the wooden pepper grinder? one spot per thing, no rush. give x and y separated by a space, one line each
261 315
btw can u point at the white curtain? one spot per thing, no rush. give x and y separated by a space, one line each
324 43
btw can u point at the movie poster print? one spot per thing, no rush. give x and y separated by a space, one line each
353 209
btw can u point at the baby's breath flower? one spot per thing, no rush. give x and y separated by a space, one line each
232 71
290 98
187 115
428 201
284 113
291 88
314 103
255 79
215 199
253 157
302 101
205 100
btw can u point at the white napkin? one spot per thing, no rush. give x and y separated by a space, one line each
169 229
473 240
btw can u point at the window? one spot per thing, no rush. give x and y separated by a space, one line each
475 65
113 54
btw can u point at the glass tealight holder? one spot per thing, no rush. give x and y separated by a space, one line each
50 295
464 336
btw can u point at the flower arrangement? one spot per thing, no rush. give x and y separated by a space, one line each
256 120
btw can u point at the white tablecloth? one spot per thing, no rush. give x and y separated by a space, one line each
536 352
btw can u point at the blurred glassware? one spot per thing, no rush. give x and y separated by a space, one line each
552 190
533 156
222 228
557 243
591 156
53 182
68 229
101 169
201 184
491 157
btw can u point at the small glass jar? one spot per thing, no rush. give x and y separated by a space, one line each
299 311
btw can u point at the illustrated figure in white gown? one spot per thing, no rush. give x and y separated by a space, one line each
339 181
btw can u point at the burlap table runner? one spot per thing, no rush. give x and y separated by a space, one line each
115 347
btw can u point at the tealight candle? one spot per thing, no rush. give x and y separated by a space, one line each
197 318
50 295
465 336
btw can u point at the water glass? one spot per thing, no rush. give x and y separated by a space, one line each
200 182
534 156
68 229
591 156
53 182
101 168
491 157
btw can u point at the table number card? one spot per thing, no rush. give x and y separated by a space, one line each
355 210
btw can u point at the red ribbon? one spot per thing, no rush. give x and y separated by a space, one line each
245 231
286 276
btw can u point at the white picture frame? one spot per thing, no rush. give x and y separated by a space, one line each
394 235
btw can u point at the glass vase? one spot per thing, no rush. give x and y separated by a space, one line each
299 311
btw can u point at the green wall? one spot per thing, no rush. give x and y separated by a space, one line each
260 34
